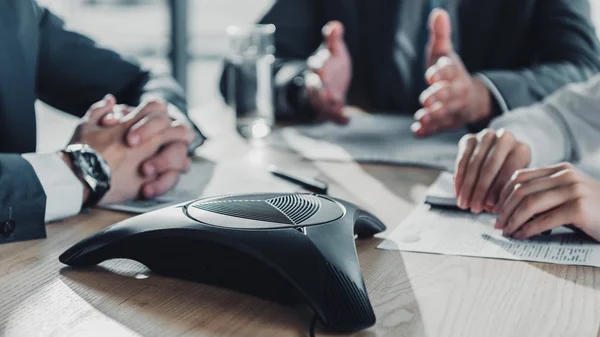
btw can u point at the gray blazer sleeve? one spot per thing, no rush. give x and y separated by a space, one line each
74 72
566 52
565 127
22 201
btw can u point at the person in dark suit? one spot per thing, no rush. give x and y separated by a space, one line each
460 65
136 147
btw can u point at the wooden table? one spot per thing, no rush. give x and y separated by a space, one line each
413 294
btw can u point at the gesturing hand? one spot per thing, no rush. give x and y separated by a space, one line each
327 86
454 97
171 160
484 165
555 196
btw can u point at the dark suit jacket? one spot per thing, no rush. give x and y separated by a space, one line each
527 48
40 59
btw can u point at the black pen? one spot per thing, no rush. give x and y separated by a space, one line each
309 184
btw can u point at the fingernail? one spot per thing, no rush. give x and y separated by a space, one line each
327 29
497 225
419 114
415 127
149 170
134 139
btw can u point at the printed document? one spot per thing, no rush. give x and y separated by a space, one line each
449 232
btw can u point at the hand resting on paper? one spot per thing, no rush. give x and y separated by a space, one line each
555 196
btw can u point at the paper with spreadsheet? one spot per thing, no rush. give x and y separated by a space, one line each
448 232
372 138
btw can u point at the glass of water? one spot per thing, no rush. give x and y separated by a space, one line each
250 79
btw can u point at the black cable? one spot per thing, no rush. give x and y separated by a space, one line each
313 326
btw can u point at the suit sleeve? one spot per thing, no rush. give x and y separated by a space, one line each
22 201
298 34
564 127
74 72
567 51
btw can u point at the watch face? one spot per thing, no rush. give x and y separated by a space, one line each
91 166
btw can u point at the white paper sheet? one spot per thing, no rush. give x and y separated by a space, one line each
446 232
441 192
206 178
372 138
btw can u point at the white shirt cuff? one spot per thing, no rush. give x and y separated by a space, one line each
64 192
494 91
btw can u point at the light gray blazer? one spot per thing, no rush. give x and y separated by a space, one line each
564 127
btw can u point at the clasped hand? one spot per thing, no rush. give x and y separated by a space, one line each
145 149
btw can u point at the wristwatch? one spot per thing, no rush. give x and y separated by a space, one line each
90 166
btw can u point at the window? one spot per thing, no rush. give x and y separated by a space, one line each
141 28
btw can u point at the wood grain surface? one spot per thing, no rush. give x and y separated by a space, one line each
413 294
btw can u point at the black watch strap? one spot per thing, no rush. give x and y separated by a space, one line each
91 168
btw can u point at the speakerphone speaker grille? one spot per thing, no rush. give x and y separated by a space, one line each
247 209
298 208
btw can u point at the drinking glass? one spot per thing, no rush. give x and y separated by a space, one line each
250 79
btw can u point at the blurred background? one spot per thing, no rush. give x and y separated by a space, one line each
143 29
185 38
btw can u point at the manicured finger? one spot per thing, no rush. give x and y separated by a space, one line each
445 69
423 122
317 61
519 158
114 118
547 221
101 108
496 158
486 140
440 38
466 148
526 175
144 109
527 193
437 92
417 129
532 205
436 118
333 35
160 186
151 125
171 157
